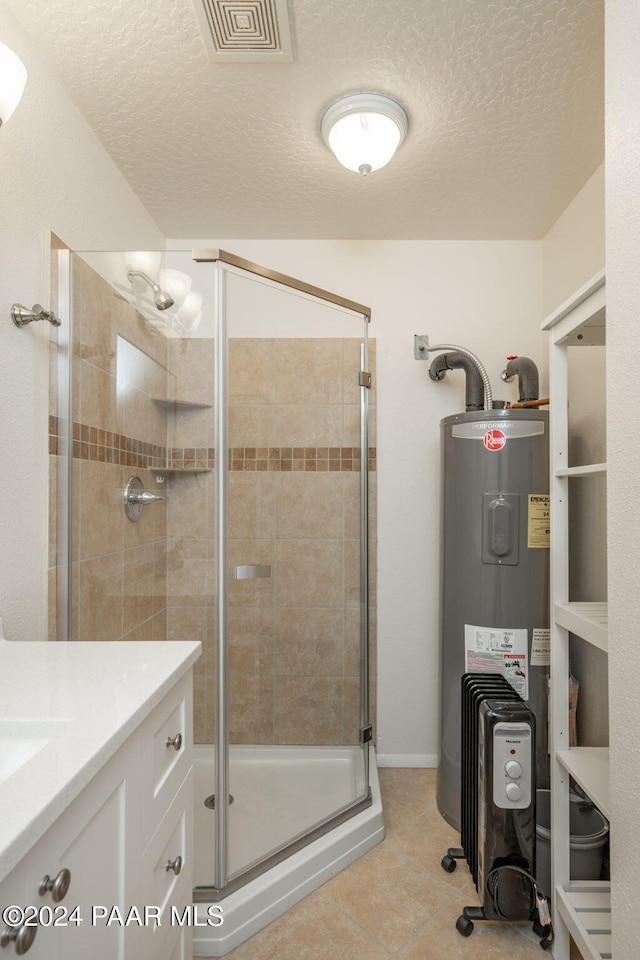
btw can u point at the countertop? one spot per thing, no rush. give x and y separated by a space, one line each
92 695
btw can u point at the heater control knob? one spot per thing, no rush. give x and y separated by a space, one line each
513 791
513 769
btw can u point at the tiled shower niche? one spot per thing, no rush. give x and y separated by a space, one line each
143 405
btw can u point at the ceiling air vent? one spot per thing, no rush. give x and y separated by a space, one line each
245 30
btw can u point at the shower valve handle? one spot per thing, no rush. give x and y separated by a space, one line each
136 497
143 497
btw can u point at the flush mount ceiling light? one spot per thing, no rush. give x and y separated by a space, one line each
13 77
364 130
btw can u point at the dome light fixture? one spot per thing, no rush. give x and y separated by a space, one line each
364 130
13 77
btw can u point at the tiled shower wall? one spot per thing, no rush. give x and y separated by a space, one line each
293 653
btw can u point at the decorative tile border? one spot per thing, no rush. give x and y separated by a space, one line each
103 446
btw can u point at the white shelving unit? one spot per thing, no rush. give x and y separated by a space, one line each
580 909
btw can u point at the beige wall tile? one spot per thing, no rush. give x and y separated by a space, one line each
309 505
159 626
351 710
351 662
55 464
144 584
187 623
100 598
251 634
311 425
188 513
250 709
252 425
187 573
309 573
100 508
252 370
97 339
143 631
308 371
99 405
191 365
252 505
308 710
202 729
351 367
309 641
352 572
191 427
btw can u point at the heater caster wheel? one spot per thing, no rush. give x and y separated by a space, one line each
448 863
464 926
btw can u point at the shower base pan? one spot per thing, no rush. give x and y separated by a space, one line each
279 792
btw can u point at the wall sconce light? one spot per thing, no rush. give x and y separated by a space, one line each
364 130
13 77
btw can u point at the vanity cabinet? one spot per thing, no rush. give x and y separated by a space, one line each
127 840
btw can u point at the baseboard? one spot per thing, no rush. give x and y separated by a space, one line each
407 759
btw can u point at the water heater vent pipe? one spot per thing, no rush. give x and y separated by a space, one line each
423 348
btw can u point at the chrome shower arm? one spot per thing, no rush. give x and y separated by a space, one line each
147 279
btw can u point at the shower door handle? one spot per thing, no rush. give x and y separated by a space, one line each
251 571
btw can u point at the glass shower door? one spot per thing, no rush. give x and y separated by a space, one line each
296 621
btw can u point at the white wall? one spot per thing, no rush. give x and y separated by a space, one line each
55 176
622 32
485 296
573 249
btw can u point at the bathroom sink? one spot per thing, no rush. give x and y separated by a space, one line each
21 740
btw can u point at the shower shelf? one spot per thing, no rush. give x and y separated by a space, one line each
169 404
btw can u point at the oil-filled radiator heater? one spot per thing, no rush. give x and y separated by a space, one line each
498 790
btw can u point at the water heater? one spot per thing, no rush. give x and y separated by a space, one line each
494 572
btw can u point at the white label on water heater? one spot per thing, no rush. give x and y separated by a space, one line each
541 647
498 650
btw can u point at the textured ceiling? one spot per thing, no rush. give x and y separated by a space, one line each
505 103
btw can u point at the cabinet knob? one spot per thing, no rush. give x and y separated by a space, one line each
58 887
21 937
175 865
175 742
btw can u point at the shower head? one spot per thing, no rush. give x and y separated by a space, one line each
161 299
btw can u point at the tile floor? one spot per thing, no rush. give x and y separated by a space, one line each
396 901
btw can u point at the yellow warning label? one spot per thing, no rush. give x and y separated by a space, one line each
538 528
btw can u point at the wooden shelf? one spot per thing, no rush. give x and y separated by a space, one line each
589 767
585 907
587 620
585 310
180 404
587 470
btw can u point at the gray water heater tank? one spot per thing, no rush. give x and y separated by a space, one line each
494 572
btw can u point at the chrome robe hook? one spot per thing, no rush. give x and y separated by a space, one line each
21 316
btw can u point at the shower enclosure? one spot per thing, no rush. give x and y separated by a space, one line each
242 401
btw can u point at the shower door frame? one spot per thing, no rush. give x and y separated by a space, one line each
225 262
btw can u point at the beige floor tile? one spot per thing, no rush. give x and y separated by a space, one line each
389 894
438 939
396 901
314 929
